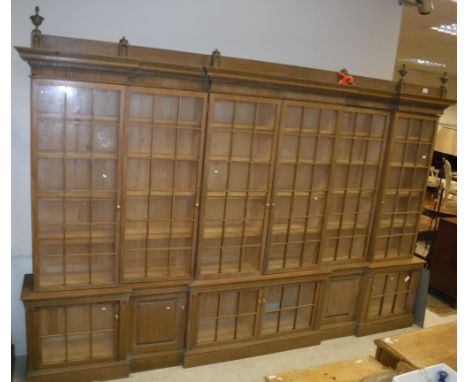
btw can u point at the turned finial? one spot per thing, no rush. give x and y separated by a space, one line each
123 47
215 58
443 88
36 34
401 83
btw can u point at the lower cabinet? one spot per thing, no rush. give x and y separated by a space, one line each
251 320
77 339
156 329
388 299
107 333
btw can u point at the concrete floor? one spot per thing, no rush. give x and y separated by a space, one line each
254 369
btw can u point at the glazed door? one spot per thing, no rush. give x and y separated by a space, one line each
225 317
404 186
288 308
164 134
391 294
237 180
76 130
74 334
358 158
303 165
157 323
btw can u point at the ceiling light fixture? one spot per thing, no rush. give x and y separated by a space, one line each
446 28
421 61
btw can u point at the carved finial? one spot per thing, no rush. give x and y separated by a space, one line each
36 34
443 87
401 83
123 47
216 58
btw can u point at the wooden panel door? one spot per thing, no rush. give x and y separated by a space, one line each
289 308
404 186
164 134
341 299
74 334
75 182
157 323
237 180
303 164
225 317
359 152
391 294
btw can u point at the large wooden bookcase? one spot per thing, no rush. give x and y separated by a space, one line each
191 208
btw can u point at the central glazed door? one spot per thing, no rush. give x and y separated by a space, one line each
238 176
302 178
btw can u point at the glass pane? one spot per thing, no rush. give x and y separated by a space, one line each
287 318
141 106
105 138
270 323
139 140
292 117
51 99
191 109
102 316
51 271
106 103
206 331
50 174
52 321
241 145
223 111
273 298
164 142
78 346
162 173
53 350
245 327
49 136
226 328
78 319
266 115
103 345
166 107
220 144
188 143
304 317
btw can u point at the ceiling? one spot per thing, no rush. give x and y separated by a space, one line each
418 40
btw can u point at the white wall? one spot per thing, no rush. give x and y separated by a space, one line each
361 35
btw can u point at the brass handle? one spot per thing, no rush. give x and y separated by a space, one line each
168 307
116 316
182 307
264 301
117 206
273 204
268 204
197 204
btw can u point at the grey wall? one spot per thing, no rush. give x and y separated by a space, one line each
361 35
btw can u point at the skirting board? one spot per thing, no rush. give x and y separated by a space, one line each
338 330
205 356
82 373
156 360
365 328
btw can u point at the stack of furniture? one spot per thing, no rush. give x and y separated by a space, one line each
190 208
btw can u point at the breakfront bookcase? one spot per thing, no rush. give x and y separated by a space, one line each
190 208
